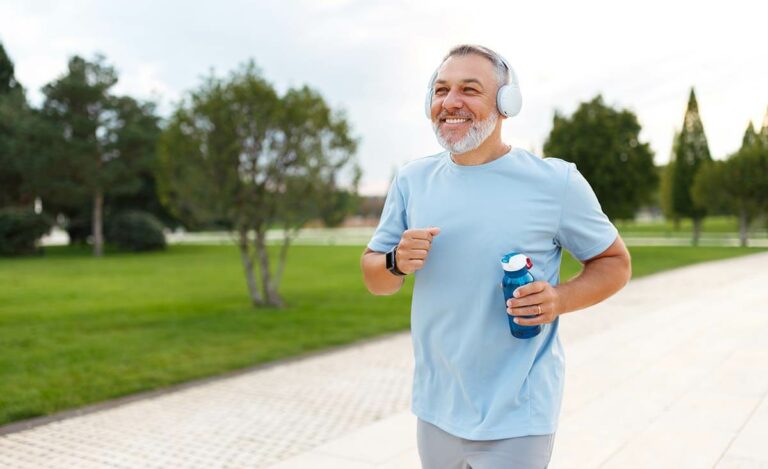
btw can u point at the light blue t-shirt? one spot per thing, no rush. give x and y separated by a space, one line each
472 378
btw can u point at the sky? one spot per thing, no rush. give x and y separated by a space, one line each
373 59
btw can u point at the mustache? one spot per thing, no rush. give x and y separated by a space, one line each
460 115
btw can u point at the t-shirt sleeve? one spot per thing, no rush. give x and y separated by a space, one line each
393 221
584 229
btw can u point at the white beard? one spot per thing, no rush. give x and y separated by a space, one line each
475 137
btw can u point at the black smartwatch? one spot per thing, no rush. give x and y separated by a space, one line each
391 257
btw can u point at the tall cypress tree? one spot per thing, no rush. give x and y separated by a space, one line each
750 136
690 153
764 130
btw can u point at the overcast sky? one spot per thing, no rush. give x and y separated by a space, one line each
373 58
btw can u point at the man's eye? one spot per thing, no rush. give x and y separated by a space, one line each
439 90
470 90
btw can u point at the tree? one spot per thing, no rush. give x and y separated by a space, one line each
666 184
763 135
605 145
337 205
137 136
690 152
16 129
236 152
750 136
104 142
738 184
8 81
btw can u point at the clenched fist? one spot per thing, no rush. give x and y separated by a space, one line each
413 249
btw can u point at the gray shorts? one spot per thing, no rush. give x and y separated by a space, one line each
441 450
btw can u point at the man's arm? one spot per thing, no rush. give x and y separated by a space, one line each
412 251
377 278
601 277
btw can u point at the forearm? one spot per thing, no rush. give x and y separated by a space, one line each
599 279
376 277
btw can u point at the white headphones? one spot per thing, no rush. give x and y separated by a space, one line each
508 98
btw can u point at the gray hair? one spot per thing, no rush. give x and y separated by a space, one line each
499 64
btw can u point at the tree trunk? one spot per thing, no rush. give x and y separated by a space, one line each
283 257
96 227
696 231
247 259
271 296
743 227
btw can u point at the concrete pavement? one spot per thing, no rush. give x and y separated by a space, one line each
671 372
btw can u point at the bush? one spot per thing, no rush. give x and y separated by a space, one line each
135 231
20 229
79 228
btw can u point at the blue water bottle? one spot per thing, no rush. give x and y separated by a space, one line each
516 274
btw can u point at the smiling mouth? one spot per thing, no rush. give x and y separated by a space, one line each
454 120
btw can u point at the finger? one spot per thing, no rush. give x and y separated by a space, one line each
533 287
532 321
413 264
416 244
532 299
427 233
415 254
533 310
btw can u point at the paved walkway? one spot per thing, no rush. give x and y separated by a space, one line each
670 373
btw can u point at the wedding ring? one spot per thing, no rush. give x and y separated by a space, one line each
539 306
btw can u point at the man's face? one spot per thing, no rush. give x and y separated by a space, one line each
464 102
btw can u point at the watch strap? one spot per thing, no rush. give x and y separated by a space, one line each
392 263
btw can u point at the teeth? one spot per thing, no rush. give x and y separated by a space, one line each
455 121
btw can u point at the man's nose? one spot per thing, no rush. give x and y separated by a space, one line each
452 100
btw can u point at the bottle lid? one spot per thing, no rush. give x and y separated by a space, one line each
515 261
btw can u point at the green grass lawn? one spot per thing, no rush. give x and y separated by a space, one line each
75 330
715 226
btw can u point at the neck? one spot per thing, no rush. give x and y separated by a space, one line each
491 149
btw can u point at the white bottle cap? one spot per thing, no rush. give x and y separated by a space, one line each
515 263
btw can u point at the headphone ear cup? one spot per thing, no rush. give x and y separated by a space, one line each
428 97
509 101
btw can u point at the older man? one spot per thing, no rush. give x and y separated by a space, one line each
484 398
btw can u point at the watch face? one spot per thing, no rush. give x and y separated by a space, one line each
390 260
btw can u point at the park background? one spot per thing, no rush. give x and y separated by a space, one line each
122 143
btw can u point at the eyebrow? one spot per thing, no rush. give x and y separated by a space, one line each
466 80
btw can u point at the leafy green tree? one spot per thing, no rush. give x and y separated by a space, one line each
605 145
690 152
235 151
8 81
103 142
17 126
337 205
137 136
738 185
